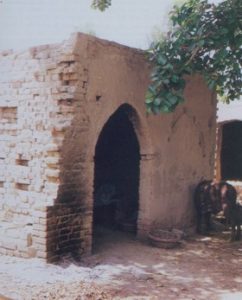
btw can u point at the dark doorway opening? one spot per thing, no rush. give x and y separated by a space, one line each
231 151
116 179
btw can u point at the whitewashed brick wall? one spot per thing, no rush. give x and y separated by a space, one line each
34 88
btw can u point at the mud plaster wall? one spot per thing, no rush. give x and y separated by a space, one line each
54 103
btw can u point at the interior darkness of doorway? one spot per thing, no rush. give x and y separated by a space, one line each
231 151
116 183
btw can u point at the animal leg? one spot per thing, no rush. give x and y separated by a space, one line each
232 237
199 220
238 233
207 219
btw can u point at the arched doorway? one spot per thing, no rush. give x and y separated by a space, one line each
231 151
116 174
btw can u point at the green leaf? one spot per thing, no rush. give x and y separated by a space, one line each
172 99
201 43
168 66
151 90
175 78
157 101
165 109
166 81
148 100
149 109
212 84
161 59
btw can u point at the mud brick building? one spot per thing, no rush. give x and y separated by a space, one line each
77 148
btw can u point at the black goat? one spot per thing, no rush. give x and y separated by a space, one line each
211 197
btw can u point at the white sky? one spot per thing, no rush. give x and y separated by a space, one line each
231 111
25 23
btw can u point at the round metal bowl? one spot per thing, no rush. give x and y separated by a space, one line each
164 239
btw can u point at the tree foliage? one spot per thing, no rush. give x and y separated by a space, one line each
205 38
101 4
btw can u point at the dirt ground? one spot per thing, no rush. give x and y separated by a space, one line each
124 268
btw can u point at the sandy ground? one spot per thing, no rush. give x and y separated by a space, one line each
123 268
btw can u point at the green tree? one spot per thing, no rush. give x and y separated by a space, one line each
101 4
204 38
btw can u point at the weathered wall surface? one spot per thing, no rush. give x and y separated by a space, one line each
54 103
33 110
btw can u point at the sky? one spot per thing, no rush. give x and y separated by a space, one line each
26 23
